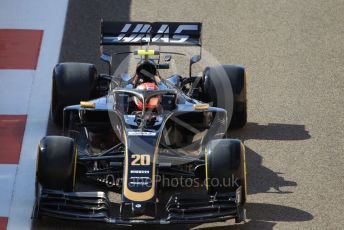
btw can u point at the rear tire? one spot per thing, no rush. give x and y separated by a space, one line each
56 163
215 86
72 83
225 165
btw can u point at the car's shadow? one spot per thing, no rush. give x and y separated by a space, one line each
271 131
262 179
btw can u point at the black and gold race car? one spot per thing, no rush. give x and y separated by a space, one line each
146 148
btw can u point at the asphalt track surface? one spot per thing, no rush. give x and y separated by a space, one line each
293 52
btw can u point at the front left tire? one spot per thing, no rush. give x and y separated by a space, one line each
56 163
71 83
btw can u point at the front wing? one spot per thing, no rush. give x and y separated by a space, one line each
180 209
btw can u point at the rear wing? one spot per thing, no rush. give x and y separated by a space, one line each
156 33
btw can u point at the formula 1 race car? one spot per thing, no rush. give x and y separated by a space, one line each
146 148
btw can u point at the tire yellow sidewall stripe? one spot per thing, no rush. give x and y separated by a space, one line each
74 171
206 169
244 157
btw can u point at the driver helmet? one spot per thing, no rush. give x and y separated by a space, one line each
153 102
146 70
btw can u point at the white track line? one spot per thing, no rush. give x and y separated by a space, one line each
50 17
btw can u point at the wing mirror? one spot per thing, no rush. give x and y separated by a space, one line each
167 58
194 59
108 59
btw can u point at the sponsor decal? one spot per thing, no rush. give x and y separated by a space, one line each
139 133
141 33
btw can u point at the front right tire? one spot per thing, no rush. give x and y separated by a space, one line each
225 167
225 87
